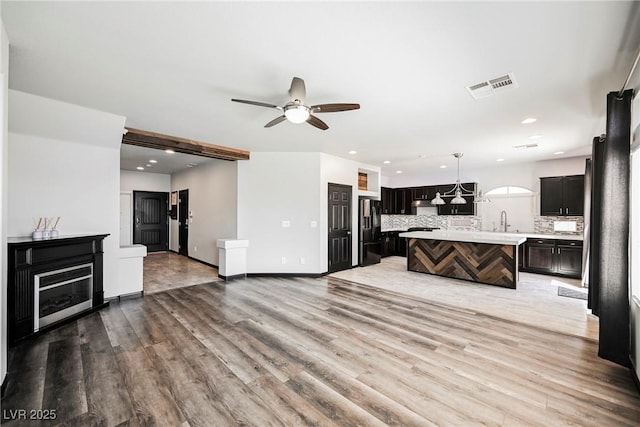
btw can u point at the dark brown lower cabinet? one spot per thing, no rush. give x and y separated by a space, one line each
569 259
539 255
553 256
393 244
389 240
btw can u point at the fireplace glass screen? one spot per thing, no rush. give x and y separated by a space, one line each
62 293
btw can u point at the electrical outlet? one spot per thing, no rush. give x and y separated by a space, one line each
301 260
195 249
284 260
286 224
313 224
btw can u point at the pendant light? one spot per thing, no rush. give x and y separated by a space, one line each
458 191
481 198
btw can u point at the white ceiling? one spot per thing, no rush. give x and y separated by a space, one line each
133 157
172 68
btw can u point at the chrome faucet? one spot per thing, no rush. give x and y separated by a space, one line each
503 221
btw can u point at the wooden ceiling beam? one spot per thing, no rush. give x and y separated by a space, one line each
143 138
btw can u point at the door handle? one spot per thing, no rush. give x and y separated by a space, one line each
560 211
566 211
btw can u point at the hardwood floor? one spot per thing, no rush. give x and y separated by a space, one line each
168 270
268 351
534 302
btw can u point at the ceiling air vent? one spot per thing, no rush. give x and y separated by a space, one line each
490 87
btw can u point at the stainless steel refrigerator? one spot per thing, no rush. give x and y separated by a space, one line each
369 232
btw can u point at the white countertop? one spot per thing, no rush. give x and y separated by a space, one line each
526 235
469 236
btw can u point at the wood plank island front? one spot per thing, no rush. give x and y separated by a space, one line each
483 257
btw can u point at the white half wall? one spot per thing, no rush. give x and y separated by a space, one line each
74 176
213 204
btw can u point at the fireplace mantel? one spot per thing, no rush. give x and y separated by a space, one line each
30 259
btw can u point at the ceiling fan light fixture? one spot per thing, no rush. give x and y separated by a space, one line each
296 113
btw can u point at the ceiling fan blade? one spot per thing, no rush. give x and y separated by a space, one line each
314 121
332 108
275 121
259 104
298 90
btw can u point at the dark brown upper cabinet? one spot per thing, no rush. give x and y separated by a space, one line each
562 196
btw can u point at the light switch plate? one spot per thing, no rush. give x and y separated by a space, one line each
314 224
286 224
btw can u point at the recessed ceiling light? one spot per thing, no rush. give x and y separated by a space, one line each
398 171
528 120
386 162
535 137
558 152
153 161
499 160
353 152
169 151
140 168
443 166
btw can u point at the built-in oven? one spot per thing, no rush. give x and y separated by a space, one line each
62 293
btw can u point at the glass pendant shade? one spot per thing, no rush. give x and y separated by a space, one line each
481 198
437 200
458 199
297 114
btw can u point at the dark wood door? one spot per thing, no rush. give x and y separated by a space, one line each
339 227
183 222
150 219
573 194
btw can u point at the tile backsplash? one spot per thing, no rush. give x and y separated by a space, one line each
466 223
545 224
541 224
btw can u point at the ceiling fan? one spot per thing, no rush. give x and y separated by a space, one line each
296 111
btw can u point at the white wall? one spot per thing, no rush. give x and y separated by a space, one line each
293 187
74 175
337 170
520 174
144 181
276 187
520 210
4 188
213 203
131 181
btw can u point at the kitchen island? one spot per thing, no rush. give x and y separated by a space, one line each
477 256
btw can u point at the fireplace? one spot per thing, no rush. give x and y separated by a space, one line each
61 293
51 281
